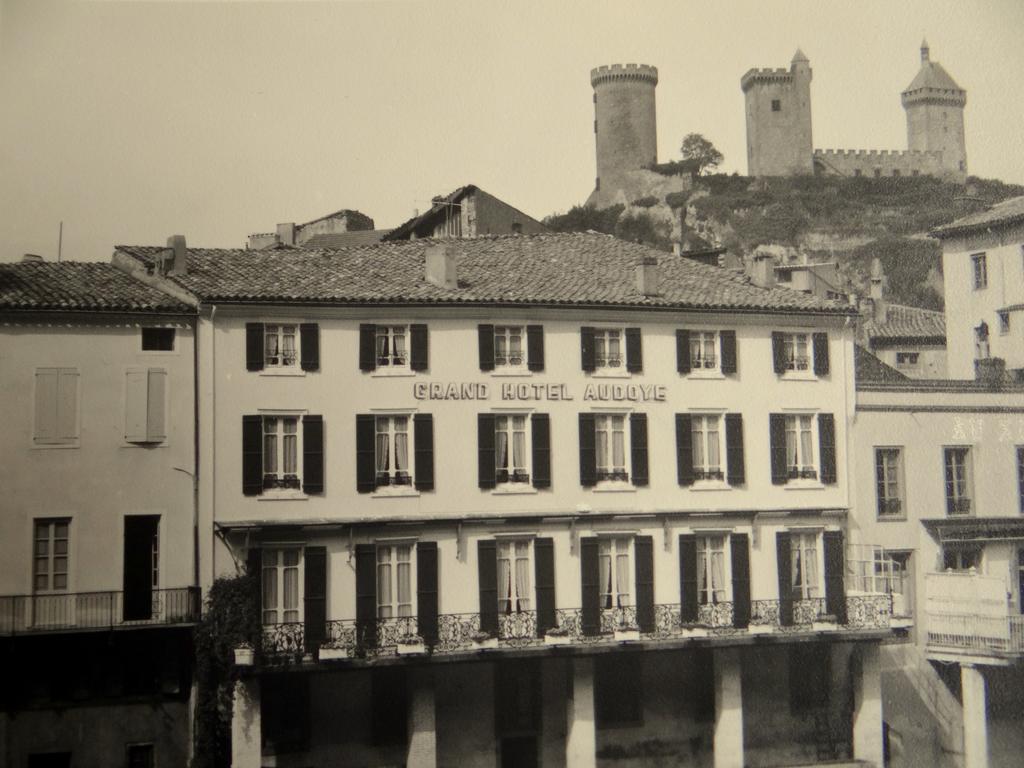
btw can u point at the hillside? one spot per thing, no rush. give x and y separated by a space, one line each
849 219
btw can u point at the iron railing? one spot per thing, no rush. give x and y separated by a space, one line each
971 632
24 614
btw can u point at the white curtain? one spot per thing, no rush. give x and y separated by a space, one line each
382 450
384 582
697 441
404 582
288 346
618 444
606 574
501 443
270 446
290 457
401 445
522 576
622 576
601 443
717 571
504 581
519 442
791 457
806 451
714 460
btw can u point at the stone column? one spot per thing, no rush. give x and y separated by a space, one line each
972 682
422 722
581 736
246 740
728 708
867 706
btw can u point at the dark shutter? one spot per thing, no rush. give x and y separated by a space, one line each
366 434
588 450
682 350
139 534
485 450
535 347
423 436
485 334
728 344
590 582
367 347
734 449
740 545
544 575
634 351
784 558
643 551
835 589
418 353
688 578
313 454
779 351
638 447
309 346
820 343
426 591
684 448
827 447
487 569
254 346
777 438
252 455
315 596
587 349
541 425
366 595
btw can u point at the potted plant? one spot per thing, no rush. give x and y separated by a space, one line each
333 650
625 633
482 640
411 645
244 655
557 636
695 630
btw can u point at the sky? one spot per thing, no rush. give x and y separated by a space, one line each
132 121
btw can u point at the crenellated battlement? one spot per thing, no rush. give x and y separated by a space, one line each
610 72
766 75
868 153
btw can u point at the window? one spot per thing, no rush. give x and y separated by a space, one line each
805 566
50 555
618 690
1004 322
712 587
889 482
392 451
514 570
279 350
776 105
703 348
508 346
899 583
980 269
981 349
510 450
796 351
394 581
610 442
707 459
56 406
145 405
140 756
906 359
800 446
614 560
958 480
392 350
896 172
281 586
157 339
878 173
608 348
784 275
961 557
280 452
857 172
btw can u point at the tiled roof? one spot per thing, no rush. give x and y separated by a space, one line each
869 369
346 239
569 269
1001 214
403 230
73 286
933 75
903 322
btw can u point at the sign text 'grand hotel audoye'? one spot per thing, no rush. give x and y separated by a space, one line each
636 393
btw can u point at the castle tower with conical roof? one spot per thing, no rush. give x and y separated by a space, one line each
934 104
778 105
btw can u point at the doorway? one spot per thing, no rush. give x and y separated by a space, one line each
141 566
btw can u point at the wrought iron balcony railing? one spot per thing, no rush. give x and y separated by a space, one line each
973 633
24 614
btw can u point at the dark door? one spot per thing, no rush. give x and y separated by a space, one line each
140 532
519 752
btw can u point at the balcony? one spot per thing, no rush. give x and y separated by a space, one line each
78 611
969 615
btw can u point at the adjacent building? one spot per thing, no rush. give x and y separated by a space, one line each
467 212
341 228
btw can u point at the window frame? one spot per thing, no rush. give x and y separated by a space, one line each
797 539
283 485
513 557
57 441
701 474
613 541
705 569
521 481
958 552
51 555
506 368
603 369
270 368
899 479
1004 322
911 364
613 478
408 484
979 271
174 340
391 564
280 567
789 342
391 368
699 338
804 472
956 509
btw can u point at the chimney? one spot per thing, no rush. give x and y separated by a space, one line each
33 257
286 233
441 266
179 264
648 278
880 309
762 270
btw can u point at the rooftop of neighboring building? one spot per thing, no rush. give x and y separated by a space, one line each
1003 214
903 323
868 369
425 222
346 239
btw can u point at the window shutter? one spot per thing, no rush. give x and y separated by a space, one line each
688 578
366 463
739 543
252 455
638 447
67 404
784 558
682 350
835 589
426 591
778 352
727 339
254 346
46 404
827 447
487 568
684 448
777 438
485 450
423 435
315 596
634 351
366 595
540 423
643 551
367 347
734 449
485 334
156 421
135 406
544 575
590 581
587 349
309 347
418 356
820 344
313 454
588 450
535 347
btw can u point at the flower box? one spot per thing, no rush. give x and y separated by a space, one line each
559 639
760 629
483 642
627 634
824 626
695 632
411 646
244 656
332 654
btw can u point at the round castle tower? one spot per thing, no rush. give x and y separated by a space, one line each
624 119
934 104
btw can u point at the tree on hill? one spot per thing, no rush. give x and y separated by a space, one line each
698 149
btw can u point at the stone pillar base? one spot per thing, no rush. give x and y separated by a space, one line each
728 744
581 736
246 738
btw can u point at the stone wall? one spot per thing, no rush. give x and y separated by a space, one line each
877 162
625 125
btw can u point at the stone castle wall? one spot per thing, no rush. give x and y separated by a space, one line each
877 162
